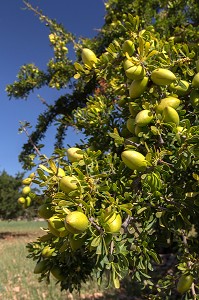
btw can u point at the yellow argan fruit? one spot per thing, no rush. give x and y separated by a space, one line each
195 81
88 57
26 190
68 184
127 64
57 226
21 200
138 87
170 115
162 76
128 46
32 175
27 181
143 118
130 124
135 72
168 101
134 160
73 154
76 222
184 283
113 223
181 88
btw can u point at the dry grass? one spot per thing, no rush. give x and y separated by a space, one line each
17 281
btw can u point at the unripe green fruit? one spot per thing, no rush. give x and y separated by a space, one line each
21 200
162 76
194 97
169 101
184 283
76 222
73 154
128 46
45 211
26 181
113 223
195 81
170 115
88 57
57 273
181 88
28 201
40 267
134 160
138 129
130 124
26 190
135 72
138 87
68 184
143 118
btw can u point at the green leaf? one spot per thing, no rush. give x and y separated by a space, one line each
96 241
141 210
45 169
78 67
52 166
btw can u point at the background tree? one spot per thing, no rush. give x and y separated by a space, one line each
117 203
10 191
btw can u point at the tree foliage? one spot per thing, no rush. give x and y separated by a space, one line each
135 179
170 18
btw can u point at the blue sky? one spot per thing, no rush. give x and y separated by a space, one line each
24 39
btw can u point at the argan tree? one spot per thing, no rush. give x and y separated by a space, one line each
119 204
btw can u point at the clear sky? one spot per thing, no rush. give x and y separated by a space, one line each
24 39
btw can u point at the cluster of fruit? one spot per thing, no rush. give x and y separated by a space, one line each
159 114
68 224
163 112
25 199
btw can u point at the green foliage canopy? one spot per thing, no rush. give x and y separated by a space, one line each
144 169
